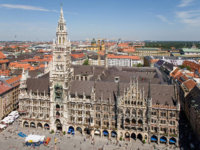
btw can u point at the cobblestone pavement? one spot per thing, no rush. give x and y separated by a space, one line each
9 140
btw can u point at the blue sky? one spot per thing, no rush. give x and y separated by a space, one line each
109 19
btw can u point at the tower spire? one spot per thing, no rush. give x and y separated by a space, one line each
61 13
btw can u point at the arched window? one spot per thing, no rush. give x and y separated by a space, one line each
59 40
140 121
63 40
61 27
134 112
127 112
57 106
127 121
140 113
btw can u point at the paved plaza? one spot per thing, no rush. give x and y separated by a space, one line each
9 140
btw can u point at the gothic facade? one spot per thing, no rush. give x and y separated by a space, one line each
121 103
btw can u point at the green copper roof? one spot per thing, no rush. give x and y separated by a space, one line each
190 50
93 41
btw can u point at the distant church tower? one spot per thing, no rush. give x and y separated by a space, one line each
60 77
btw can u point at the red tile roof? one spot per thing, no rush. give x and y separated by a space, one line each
4 72
123 57
26 66
175 72
194 66
101 53
4 87
13 46
14 81
131 49
190 84
2 56
123 45
154 60
80 55
36 60
4 61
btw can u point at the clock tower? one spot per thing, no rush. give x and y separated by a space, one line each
60 77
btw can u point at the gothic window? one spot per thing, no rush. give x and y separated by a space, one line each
88 97
61 27
72 95
140 112
97 108
127 112
61 67
57 113
140 121
134 112
127 121
98 115
59 40
163 114
105 116
133 121
57 67
80 96
57 106
172 115
154 113
105 108
63 40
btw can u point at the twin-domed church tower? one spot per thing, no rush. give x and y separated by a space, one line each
60 76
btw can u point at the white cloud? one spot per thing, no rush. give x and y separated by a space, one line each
164 19
191 17
185 3
28 7
25 7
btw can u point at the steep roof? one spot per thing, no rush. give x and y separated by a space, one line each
104 90
38 84
161 93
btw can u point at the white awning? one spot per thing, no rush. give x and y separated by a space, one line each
97 132
34 138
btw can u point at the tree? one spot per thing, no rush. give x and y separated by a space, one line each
86 62
187 67
139 65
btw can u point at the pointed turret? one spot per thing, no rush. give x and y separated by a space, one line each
61 15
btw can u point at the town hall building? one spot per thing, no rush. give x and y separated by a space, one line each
113 102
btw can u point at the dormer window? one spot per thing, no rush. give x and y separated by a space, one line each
61 27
